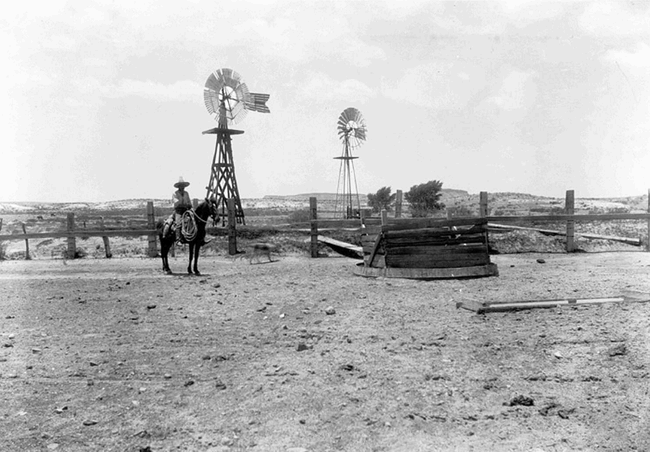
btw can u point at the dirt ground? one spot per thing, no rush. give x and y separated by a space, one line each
300 355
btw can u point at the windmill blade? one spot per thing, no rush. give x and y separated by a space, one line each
351 127
228 99
257 102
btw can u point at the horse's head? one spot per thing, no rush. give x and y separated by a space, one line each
214 208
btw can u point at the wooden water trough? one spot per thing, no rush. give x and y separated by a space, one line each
427 249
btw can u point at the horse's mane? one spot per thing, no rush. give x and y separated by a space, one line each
203 209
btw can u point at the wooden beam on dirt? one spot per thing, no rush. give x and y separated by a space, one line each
627 240
482 307
346 249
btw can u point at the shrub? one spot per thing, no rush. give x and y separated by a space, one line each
425 198
299 216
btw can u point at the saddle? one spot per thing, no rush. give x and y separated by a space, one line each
188 227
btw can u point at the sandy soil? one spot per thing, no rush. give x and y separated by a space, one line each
112 355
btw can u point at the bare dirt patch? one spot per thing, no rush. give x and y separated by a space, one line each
99 354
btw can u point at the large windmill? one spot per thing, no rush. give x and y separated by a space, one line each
227 99
352 132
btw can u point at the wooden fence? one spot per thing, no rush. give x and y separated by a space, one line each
73 232
316 225
569 217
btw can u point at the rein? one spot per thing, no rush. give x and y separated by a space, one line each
199 218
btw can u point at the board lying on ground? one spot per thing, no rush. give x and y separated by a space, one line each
428 249
481 307
346 249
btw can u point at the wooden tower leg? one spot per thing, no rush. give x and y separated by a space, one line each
223 183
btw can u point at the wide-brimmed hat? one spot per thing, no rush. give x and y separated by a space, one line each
181 183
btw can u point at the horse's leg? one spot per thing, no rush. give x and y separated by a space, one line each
189 264
164 252
196 259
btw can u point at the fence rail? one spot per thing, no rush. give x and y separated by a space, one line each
146 225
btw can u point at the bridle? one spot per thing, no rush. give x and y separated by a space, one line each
214 213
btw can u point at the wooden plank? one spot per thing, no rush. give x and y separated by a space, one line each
483 204
426 233
440 261
232 227
152 248
561 218
398 204
400 242
628 240
400 224
437 250
346 249
72 243
313 216
570 224
375 249
27 256
372 230
79 233
325 223
107 243
481 307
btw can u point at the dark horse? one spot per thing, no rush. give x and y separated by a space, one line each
206 209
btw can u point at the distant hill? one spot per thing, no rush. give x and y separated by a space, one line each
461 201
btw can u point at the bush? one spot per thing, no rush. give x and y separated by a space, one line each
425 198
299 216
383 199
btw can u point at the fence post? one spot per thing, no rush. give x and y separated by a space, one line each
27 256
107 244
72 242
313 215
647 245
398 204
384 217
483 204
151 224
232 231
569 208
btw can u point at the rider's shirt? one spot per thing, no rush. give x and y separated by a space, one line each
181 201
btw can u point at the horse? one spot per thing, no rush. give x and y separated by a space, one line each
199 218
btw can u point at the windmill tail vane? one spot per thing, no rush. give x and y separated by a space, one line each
257 102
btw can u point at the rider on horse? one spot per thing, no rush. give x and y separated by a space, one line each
182 203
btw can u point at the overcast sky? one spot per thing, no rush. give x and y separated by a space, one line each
103 100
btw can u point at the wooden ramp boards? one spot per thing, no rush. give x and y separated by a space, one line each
428 249
346 249
481 307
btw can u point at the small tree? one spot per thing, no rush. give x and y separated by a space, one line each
425 198
381 200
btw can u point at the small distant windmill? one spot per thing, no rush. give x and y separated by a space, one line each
227 99
352 132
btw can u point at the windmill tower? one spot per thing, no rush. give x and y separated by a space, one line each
227 99
352 132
